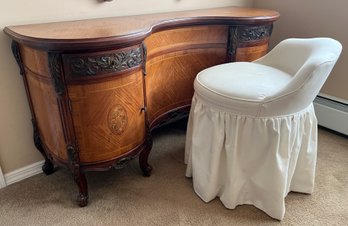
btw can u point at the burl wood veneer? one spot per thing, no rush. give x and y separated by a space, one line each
97 88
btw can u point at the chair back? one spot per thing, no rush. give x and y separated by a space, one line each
309 61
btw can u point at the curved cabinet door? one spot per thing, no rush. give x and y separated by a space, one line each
106 98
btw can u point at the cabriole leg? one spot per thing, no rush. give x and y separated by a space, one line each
143 157
79 176
48 167
80 180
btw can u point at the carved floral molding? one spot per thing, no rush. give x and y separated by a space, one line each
91 65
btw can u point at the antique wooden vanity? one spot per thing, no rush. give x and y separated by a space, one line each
97 88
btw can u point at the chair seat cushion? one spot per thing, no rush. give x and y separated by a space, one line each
241 81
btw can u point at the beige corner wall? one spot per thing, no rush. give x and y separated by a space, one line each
312 18
16 145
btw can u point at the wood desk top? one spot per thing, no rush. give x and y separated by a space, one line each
128 30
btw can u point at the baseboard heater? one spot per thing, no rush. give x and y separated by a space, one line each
332 114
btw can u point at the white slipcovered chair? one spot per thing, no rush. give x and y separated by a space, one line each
252 131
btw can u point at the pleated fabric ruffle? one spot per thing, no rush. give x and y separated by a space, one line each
250 160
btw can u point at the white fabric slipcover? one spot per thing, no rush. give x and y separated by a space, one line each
252 131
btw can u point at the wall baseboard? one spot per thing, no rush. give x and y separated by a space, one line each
332 113
2 180
23 173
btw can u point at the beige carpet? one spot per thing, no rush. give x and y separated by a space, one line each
124 197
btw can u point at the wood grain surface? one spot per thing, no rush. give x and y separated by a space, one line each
173 61
108 117
120 30
47 114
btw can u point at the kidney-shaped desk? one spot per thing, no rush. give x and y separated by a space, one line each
97 88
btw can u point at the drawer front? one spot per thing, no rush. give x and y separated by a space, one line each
179 39
81 67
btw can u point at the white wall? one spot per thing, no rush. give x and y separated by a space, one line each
16 145
315 18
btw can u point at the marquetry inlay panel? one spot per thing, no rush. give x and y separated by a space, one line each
117 119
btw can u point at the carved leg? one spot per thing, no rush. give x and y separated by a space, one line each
143 158
80 180
79 176
48 167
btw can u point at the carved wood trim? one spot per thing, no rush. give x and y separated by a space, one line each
55 66
121 163
246 34
92 65
48 167
144 52
78 175
254 33
74 160
232 43
145 167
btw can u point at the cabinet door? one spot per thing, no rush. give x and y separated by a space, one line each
107 106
